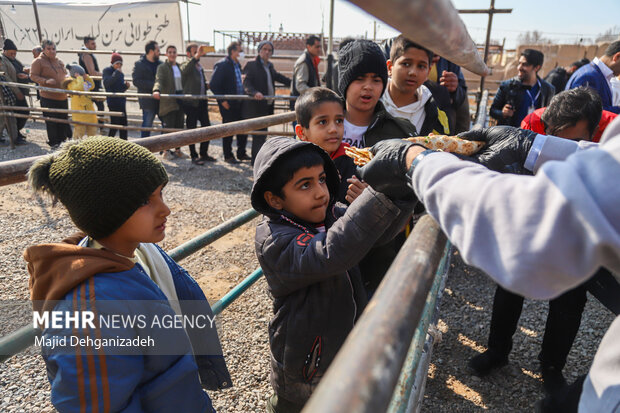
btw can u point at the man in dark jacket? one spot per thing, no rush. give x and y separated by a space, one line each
309 250
227 80
524 93
260 78
306 69
114 81
195 83
10 52
143 77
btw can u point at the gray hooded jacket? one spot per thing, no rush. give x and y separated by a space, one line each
312 276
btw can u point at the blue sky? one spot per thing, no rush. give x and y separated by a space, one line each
561 20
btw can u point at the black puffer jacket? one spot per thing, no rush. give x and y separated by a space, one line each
312 276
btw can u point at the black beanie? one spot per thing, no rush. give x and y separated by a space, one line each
358 58
9 45
101 181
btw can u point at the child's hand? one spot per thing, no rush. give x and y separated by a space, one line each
356 187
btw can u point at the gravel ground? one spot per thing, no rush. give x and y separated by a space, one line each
201 197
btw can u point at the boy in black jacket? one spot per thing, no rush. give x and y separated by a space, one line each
320 120
308 248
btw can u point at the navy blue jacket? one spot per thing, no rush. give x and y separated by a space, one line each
144 78
224 81
114 81
511 91
590 75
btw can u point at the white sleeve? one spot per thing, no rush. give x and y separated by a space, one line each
535 235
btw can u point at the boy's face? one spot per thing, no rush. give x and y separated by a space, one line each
410 70
326 127
364 92
305 196
148 223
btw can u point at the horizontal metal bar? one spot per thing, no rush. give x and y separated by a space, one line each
402 393
233 294
484 11
17 341
15 170
363 375
53 110
434 24
146 95
188 248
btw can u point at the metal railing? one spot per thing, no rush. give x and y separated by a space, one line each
15 171
23 338
364 374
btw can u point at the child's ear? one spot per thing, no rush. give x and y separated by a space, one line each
299 131
273 200
389 67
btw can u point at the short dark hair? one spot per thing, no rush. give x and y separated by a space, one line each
188 49
46 43
88 39
285 167
571 106
312 39
613 48
400 46
150 46
579 63
170 46
310 99
533 57
232 46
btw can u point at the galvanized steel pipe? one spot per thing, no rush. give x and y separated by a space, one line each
435 24
15 171
363 376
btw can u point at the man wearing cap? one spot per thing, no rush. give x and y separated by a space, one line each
48 71
16 96
260 78
114 81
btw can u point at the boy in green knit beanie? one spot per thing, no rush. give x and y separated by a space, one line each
112 190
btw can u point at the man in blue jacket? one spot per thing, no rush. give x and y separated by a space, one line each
598 74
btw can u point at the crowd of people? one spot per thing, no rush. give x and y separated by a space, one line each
330 230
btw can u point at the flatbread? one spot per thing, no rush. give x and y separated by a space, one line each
444 143
452 144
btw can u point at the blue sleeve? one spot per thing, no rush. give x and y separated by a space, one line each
121 379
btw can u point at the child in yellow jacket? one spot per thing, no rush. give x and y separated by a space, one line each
79 80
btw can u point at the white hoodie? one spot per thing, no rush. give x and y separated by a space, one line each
414 112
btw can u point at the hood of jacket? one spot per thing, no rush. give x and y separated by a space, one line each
55 269
274 149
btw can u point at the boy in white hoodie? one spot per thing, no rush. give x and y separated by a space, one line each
405 95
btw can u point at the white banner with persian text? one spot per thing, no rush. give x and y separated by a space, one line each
115 26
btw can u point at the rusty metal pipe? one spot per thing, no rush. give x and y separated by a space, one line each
363 376
435 24
15 171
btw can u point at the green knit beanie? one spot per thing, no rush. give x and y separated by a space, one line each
101 181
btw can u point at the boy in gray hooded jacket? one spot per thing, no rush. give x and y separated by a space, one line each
309 247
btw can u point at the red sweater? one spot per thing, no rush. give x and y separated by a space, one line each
534 123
